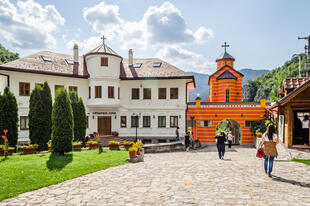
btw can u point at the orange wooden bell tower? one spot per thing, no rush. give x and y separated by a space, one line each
226 83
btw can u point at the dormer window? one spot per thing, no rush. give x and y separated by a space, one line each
104 61
69 61
46 58
137 65
157 64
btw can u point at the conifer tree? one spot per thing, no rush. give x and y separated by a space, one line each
79 117
62 119
9 116
47 105
74 104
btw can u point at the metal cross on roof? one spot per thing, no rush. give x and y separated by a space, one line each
103 38
225 45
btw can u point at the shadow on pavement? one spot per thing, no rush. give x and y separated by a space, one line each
293 182
58 162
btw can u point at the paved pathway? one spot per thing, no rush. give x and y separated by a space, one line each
193 178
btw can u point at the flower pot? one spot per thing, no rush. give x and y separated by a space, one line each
10 151
30 150
77 147
127 146
113 147
132 154
93 146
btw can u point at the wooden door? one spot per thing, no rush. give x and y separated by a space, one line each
104 125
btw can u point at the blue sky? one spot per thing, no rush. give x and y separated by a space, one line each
262 34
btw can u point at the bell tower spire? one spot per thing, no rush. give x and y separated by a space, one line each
225 58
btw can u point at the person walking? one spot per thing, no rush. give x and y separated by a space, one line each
187 141
177 134
220 143
229 138
270 140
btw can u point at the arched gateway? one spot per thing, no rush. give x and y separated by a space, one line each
230 125
224 102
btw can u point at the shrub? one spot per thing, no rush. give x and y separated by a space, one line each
79 116
92 142
62 118
77 143
9 116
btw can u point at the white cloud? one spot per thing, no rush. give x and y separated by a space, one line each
160 25
28 25
86 45
187 60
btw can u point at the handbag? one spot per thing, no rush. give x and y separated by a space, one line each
260 151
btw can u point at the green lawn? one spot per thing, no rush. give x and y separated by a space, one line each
24 173
307 162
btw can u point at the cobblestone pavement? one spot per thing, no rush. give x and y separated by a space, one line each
180 178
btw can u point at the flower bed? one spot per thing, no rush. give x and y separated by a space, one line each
77 146
10 150
128 144
92 144
30 149
114 145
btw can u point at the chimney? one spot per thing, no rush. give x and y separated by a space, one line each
130 57
75 59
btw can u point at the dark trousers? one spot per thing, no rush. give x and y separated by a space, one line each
229 143
221 150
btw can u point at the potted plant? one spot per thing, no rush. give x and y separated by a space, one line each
138 145
113 145
128 144
10 150
132 152
30 149
77 146
92 144
259 134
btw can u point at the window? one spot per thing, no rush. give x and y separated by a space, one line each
146 121
24 89
123 121
39 84
69 61
162 93
206 123
135 93
24 121
147 93
73 88
134 121
161 121
111 92
173 121
104 61
98 92
227 95
174 93
157 64
46 58
119 93
89 92
58 87
137 65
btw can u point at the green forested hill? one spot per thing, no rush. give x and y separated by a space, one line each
6 56
266 85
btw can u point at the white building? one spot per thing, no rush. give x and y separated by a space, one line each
115 91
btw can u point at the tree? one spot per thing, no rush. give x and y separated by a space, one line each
6 56
47 105
35 117
9 116
79 116
62 119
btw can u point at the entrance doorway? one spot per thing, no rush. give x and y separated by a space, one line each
104 125
301 128
230 125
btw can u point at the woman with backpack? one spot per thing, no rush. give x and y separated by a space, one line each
270 140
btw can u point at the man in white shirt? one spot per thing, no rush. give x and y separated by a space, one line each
305 128
230 138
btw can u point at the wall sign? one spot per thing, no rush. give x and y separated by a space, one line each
104 112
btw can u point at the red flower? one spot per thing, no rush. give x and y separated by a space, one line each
6 140
5 131
3 137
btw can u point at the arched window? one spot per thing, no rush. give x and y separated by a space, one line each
227 95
